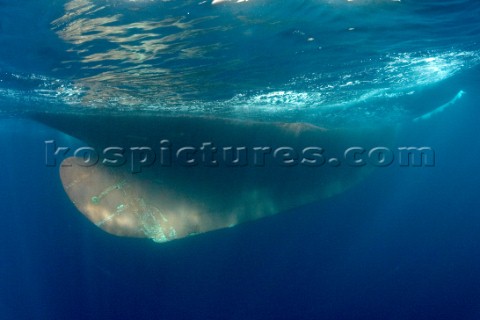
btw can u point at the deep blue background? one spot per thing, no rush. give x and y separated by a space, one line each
403 244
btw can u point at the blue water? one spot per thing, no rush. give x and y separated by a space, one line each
403 244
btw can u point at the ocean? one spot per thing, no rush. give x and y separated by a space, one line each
402 242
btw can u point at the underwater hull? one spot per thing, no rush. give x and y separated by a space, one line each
169 177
